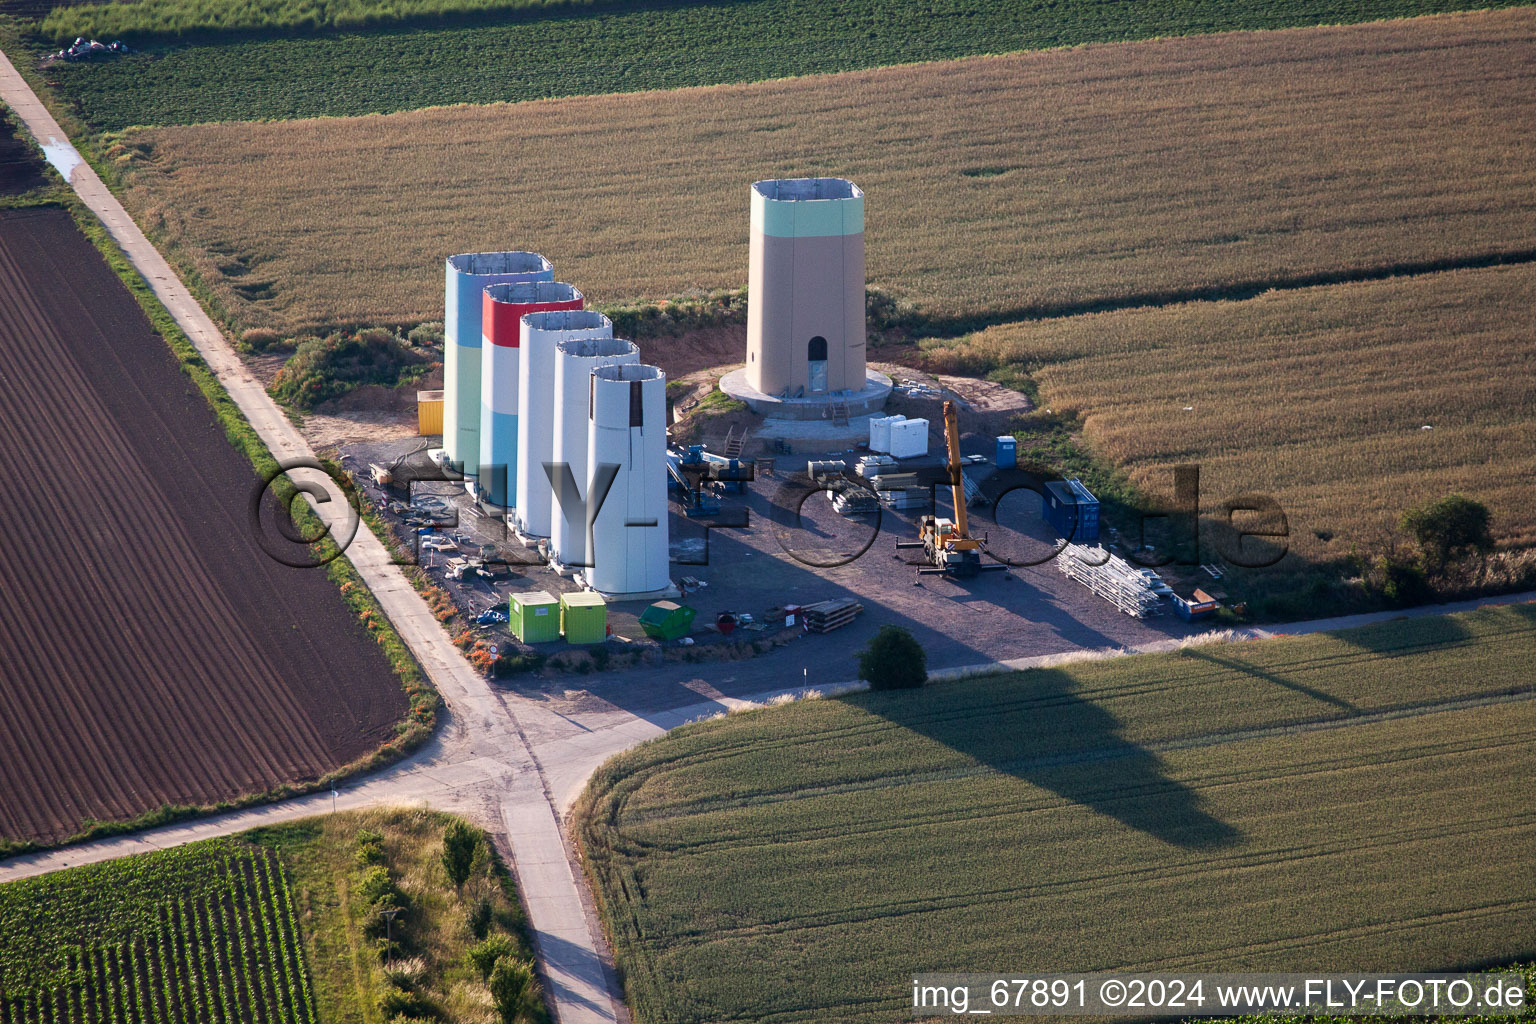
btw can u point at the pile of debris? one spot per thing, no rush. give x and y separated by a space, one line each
916 388
89 49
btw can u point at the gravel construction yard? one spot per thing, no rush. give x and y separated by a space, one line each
152 653
773 561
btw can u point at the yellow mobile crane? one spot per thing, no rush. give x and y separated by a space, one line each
947 543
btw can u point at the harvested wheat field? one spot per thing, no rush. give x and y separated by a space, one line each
1352 801
1000 186
150 652
1318 396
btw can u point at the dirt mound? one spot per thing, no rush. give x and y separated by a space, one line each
683 354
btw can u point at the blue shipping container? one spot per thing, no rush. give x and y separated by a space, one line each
1007 452
1071 510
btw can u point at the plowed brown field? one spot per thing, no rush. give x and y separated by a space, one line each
150 653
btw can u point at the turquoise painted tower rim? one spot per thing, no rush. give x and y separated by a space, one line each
807 207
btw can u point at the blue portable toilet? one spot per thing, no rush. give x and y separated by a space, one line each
1007 451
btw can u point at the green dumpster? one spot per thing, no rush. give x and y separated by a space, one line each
534 617
584 618
666 620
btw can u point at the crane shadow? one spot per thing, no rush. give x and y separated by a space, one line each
1059 741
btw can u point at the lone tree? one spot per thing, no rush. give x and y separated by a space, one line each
512 989
894 660
460 842
1449 529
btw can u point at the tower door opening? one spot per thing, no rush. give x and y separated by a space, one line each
816 354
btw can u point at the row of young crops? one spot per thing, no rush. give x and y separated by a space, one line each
220 944
657 47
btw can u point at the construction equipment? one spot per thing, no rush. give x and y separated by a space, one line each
686 471
947 543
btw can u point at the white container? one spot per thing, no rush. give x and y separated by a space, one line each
909 438
541 332
880 432
575 359
628 430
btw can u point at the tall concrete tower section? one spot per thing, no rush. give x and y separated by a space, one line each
468 274
805 301
501 324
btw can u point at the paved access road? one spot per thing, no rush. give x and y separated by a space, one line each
514 763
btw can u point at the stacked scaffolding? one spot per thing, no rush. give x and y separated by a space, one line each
871 466
1112 578
854 501
825 616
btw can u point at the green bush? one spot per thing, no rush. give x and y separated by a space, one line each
325 368
674 316
370 847
484 956
1449 529
427 335
510 663
480 915
262 339
894 660
512 989
461 842
1400 582
376 888
397 1003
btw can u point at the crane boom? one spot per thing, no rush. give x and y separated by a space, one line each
956 484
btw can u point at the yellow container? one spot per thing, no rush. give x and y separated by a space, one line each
429 412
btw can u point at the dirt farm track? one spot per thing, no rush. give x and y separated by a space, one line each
150 652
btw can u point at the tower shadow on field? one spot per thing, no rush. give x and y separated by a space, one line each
1038 729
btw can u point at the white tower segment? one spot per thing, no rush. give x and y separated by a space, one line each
575 359
627 428
536 406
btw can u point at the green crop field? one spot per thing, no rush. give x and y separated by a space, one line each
204 932
279 925
1349 801
663 47
178 18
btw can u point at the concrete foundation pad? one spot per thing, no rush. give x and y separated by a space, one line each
866 401
669 591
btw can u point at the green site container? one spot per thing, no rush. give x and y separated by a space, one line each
534 617
584 618
666 620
